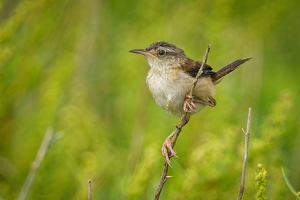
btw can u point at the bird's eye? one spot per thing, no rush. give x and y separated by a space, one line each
161 52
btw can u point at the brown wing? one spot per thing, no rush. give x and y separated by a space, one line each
192 67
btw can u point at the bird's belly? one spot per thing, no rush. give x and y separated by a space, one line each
170 93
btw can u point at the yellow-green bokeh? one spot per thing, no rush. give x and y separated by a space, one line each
65 64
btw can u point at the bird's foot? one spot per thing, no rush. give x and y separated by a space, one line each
188 104
210 101
167 149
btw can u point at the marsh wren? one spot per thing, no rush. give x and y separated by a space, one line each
170 79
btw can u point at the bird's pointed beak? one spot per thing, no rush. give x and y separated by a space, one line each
143 52
139 51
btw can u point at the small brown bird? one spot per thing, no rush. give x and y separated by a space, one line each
171 77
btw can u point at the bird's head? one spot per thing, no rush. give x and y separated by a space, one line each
162 55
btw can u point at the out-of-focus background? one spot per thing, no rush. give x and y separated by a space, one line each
65 64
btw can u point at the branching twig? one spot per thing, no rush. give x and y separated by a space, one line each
247 137
89 190
184 120
36 163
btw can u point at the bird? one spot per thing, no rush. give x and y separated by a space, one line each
170 80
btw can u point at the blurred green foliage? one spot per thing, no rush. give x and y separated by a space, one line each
288 183
66 64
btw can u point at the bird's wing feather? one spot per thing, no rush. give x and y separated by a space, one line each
192 67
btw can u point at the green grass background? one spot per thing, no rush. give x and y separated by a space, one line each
65 64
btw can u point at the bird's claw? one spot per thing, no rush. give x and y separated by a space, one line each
167 150
188 104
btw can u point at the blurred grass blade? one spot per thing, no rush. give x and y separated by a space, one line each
57 136
36 163
289 184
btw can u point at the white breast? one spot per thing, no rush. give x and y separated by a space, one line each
169 89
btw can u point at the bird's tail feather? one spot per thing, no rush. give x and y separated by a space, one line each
227 69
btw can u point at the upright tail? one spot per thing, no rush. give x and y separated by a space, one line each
227 69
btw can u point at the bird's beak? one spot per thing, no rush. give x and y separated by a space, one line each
139 51
143 52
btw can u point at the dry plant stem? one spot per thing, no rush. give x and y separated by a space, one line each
184 120
247 138
36 163
89 190
200 71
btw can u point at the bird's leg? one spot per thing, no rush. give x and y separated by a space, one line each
190 106
211 101
167 149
